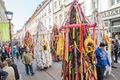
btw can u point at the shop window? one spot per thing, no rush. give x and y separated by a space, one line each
106 24
116 23
113 2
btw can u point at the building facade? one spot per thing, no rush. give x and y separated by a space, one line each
110 11
3 17
112 18
51 12
45 13
61 8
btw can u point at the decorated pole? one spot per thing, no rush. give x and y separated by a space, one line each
81 55
78 56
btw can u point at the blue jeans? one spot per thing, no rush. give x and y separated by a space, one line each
28 68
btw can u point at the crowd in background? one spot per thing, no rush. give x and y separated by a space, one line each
8 68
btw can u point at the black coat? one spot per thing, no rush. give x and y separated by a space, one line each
116 47
16 71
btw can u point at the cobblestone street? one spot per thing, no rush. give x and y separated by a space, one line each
54 72
115 75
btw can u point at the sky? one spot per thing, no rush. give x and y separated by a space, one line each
22 11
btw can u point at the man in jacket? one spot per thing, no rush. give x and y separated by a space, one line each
102 61
27 60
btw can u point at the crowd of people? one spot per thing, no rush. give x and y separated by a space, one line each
9 70
6 52
8 67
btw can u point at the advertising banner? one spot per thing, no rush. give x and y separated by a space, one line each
4 30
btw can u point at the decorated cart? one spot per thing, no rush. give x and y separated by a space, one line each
79 46
42 48
28 41
53 43
57 44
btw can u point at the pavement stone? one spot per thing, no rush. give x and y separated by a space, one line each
54 72
115 75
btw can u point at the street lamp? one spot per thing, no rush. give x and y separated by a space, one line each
9 17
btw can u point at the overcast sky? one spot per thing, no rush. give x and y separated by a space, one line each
22 10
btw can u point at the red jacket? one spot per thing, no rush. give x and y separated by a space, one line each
8 50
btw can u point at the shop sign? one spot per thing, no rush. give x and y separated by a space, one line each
112 12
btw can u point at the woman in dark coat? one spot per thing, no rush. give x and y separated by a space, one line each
14 66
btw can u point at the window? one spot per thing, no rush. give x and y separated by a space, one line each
55 3
50 20
95 4
116 23
61 18
106 24
59 2
45 23
56 19
49 10
44 12
113 2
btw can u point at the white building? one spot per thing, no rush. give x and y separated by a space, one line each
3 17
52 12
60 9
110 10
44 13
